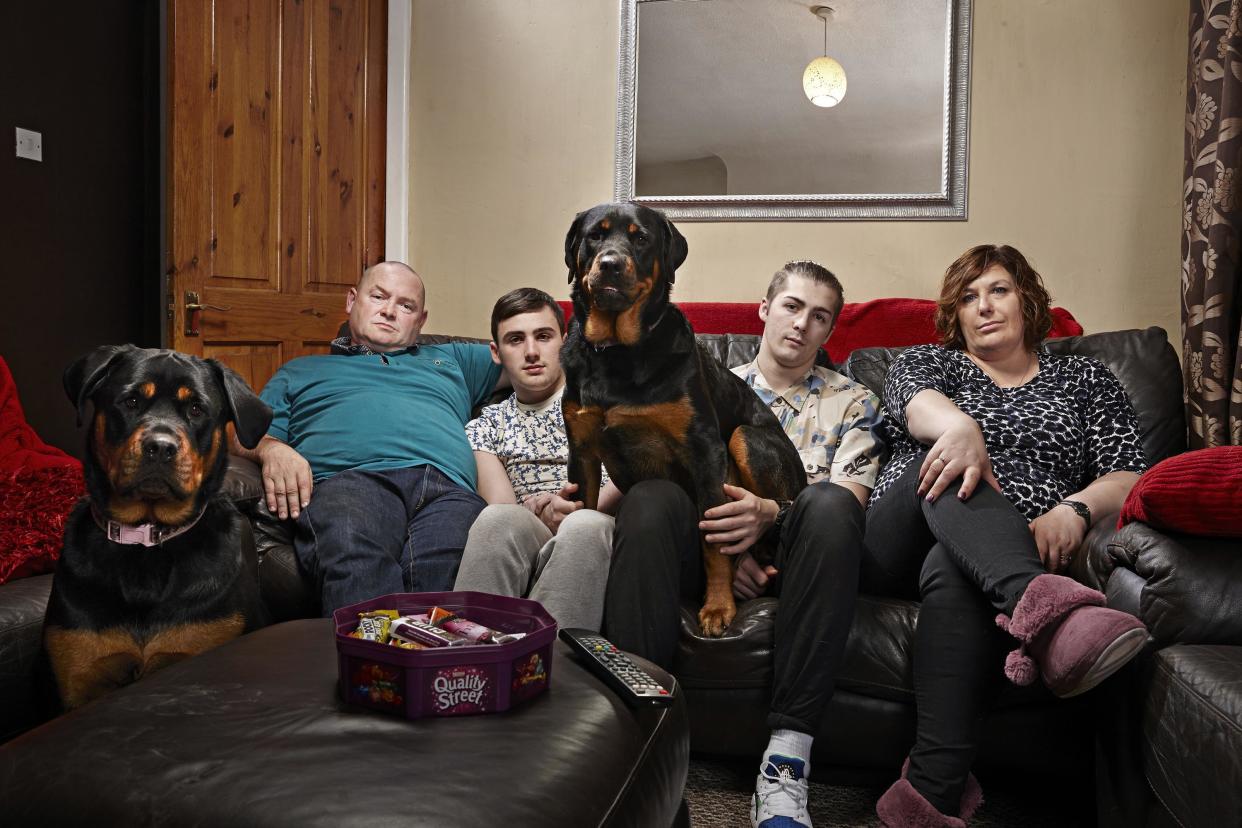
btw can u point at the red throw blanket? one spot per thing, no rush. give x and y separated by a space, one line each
39 485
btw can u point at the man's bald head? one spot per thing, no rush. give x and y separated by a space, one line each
396 268
387 307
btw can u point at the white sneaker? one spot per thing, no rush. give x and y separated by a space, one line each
781 794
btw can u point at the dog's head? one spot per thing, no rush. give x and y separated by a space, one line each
157 445
622 261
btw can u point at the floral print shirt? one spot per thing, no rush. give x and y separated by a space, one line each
832 421
530 442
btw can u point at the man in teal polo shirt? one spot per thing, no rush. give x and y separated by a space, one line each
376 430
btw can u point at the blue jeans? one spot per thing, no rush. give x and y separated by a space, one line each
368 533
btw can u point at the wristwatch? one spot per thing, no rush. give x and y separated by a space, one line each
1081 509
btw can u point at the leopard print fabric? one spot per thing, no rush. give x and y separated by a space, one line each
1047 439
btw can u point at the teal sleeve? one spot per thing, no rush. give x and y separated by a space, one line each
276 395
478 369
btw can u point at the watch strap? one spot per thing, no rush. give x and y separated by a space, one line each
1081 509
782 511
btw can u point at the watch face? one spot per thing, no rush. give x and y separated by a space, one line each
1080 509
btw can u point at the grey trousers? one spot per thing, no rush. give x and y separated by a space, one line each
511 552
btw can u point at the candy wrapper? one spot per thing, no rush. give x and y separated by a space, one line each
419 631
373 628
477 633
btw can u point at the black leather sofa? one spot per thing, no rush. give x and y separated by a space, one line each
1169 730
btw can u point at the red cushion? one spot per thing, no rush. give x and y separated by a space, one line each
1196 493
33 506
889 323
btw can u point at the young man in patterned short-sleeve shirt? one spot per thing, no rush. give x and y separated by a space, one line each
656 554
531 540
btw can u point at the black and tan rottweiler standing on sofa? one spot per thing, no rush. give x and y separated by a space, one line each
152 569
642 396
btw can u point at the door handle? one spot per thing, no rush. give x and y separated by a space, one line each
192 310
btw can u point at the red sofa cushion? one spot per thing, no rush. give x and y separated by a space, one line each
1196 493
34 504
889 323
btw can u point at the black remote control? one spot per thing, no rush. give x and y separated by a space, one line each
618 670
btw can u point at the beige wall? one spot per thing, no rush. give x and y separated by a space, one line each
1075 158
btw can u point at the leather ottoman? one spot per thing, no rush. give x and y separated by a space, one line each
253 733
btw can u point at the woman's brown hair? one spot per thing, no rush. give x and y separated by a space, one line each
1032 295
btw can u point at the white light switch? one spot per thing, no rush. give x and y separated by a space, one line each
29 144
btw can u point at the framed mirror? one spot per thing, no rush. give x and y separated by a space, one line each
713 122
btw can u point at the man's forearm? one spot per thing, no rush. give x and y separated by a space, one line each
256 453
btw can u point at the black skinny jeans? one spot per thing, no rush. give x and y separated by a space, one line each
657 560
969 560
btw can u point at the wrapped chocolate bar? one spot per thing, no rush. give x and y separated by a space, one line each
477 633
373 628
419 631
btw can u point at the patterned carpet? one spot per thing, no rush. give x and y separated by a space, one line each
718 793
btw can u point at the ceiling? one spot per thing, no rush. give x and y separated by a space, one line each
723 79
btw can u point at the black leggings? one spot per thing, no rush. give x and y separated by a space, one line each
965 562
657 560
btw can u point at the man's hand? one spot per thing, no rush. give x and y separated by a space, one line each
287 478
740 522
751 580
960 452
552 509
1058 533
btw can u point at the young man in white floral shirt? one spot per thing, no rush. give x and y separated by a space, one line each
656 557
531 540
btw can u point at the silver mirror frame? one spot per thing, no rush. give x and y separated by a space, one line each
948 204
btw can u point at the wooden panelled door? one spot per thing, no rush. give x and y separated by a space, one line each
276 173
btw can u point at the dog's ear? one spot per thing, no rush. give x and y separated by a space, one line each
251 416
85 374
675 249
572 239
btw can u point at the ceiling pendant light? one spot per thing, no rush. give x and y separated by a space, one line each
823 81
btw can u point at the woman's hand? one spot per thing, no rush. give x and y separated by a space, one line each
1058 532
959 452
740 522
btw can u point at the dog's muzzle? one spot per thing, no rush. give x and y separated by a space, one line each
611 281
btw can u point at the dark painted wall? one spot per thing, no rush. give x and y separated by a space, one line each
79 257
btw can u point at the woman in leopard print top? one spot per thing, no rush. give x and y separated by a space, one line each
1002 455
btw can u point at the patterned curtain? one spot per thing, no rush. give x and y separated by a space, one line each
1212 226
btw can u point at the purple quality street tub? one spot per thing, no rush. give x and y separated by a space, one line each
447 681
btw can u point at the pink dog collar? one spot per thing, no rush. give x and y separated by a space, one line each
147 534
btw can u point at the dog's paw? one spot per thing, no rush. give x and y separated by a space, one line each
715 619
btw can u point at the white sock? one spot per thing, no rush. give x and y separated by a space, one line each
793 744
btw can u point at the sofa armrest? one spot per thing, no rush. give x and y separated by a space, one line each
1092 565
285 592
242 481
1188 588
